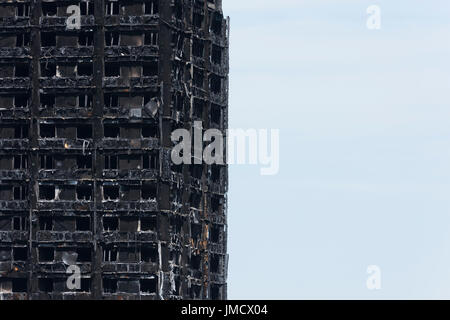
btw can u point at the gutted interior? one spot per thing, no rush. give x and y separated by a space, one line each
86 177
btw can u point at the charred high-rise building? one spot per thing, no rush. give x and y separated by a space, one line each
91 205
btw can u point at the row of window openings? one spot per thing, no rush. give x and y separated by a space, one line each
113 162
50 9
81 101
48 285
112 69
14 223
14 254
124 224
109 131
51 100
52 39
19 131
215 82
198 19
110 254
84 192
198 50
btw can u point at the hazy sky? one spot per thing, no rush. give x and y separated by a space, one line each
364 119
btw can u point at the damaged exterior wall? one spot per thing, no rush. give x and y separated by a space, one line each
86 177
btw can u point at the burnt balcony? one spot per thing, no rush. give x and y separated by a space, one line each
126 144
14 205
61 205
143 205
144 174
130 53
66 144
132 22
14 23
133 82
60 23
64 236
15 53
13 236
67 53
67 83
15 83
127 237
130 267
54 174
14 175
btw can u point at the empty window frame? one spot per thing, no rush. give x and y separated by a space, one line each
110 254
85 101
84 131
197 20
112 69
148 192
86 7
84 161
20 192
20 223
47 101
47 162
46 254
47 130
86 39
111 162
198 48
111 100
149 130
148 286
112 38
48 39
20 253
47 192
110 224
149 253
150 161
151 7
216 23
109 285
111 130
198 77
112 8
45 223
83 223
20 162
151 38
215 173
148 224
111 192
215 83
150 69
84 192
216 114
48 70
20 101
23 40
49 9
84 69
22 70
84 254
216 55
22 9
45 285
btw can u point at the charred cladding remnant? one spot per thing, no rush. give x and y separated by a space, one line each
91 204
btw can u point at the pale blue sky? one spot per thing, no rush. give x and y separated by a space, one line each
364 119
